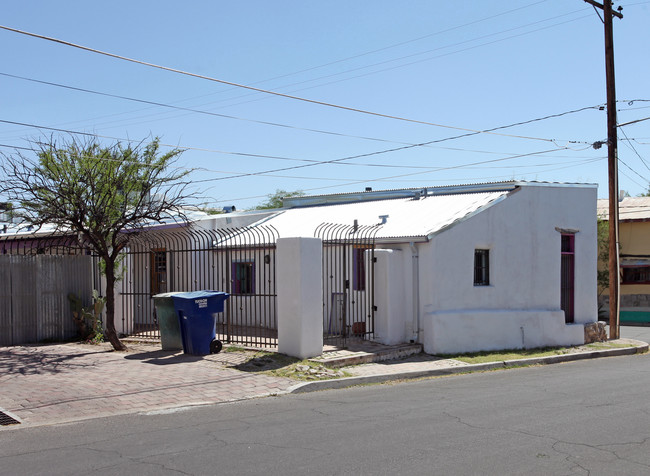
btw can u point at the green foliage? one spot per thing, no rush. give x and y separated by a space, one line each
603 256
274 200
95 189
103 194
508 354
89 319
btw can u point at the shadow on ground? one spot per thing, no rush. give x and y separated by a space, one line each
26 360
163 357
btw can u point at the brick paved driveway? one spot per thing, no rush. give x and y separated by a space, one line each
57 383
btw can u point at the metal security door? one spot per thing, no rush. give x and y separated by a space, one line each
348 282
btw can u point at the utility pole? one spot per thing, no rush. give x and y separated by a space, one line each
612 166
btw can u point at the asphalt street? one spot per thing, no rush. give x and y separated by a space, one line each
587 417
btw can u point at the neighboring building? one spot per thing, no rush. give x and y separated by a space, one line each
634 257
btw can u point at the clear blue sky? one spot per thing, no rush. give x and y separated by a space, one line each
468 64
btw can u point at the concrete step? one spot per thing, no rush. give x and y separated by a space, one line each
366 353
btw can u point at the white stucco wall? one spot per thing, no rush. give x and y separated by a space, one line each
392 317
299 296
525 257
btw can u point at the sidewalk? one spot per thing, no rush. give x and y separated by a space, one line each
424 365
47 384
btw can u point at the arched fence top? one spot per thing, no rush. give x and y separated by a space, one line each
339 233
200 239
186 238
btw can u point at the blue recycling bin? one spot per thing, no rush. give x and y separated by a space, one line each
197 316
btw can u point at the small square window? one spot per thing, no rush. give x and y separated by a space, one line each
481 267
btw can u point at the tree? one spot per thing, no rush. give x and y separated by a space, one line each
274 200
105 195
603 256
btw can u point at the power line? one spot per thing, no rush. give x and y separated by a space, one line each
275 157
252 88
155 103
631 146
395 45
264 172
419 54
335 161
181 108
633 122
381 179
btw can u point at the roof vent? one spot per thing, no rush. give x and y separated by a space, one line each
368 189
229 209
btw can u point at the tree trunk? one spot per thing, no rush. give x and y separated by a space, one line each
111 334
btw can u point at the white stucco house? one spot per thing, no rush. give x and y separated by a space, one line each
457 269
471 267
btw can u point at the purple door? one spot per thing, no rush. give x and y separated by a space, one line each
568 277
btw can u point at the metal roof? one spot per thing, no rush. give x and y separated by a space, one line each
413 218
368 195
629 209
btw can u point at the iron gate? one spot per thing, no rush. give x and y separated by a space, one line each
239 261
348 281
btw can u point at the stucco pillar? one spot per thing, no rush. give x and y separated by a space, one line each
299 275
390 297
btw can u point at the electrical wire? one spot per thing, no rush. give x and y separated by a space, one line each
417 54
357 182
633 122
296 127
631 146
412 62
266 91
632 170
181 108
264 172
395 45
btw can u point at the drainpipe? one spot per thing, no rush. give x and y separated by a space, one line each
415 268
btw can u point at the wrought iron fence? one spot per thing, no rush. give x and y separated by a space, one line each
239 261
348 281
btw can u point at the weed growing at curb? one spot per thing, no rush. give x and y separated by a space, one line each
508 354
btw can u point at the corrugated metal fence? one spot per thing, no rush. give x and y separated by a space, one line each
34 305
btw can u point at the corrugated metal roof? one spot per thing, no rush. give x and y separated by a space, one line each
406 217
631 208
23 230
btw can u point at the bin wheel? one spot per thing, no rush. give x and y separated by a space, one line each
215 346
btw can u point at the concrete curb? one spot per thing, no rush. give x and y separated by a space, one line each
636 347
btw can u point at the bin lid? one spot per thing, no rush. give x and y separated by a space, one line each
199 294
164 295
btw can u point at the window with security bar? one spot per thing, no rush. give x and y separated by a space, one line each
158 268
481 267
243 273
